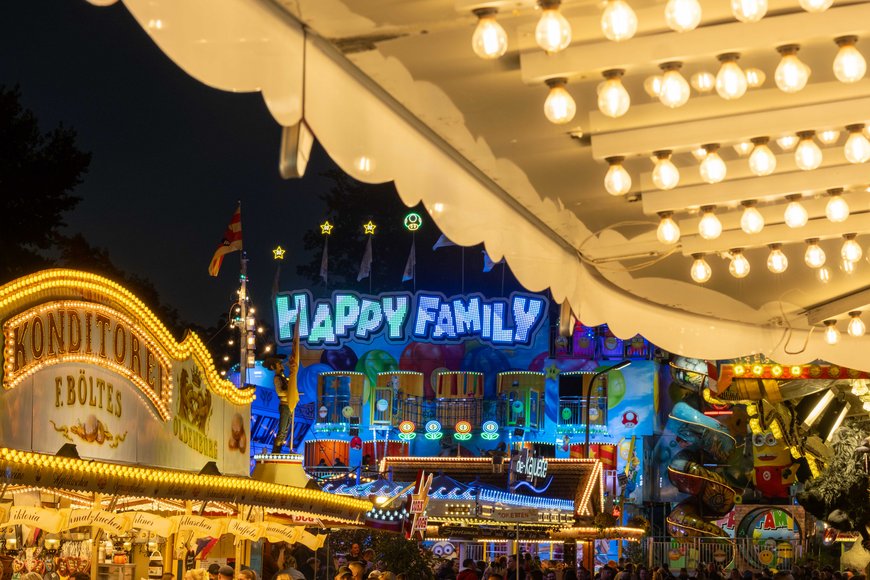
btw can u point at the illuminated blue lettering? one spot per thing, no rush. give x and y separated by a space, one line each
486 331
427 306
444 323
500 334
322 329
467 317
527 315
396 313
371 319
347 312
287 315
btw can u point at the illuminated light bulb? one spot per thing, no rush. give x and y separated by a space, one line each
653 85
613 99
709 227
751 222
739 266
791 74
553 32
665 175
777 262
828 136
703 81
683 15
849 64
101 3
699 153
816 5
837 209
807 155
730 80
856 326
743 148
559 107
489 40
848 267
787 142
832 335
814 257
675 90
749 10
668 231
762 161
755 77
700 270
712 168
796 215
618 21
617 181
851 250
823 274
857 147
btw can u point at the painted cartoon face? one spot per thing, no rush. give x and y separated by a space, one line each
766 450
443 549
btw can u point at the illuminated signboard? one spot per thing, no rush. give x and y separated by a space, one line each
529 467
424 316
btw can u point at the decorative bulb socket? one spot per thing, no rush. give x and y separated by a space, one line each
662 154
556 82
665 215
835 191
794 197
855 127
707 208
614 73
735 251
748 203
805 135
710 147
787 49
812 241
675 65
774 247
760 141
728 57
848 237
854 313
548 4
617 160
484 12
696 256
849 40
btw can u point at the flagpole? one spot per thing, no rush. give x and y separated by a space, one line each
371 274
243 314
414 266
463 271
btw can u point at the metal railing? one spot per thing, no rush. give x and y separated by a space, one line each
335 408
572 411
742 553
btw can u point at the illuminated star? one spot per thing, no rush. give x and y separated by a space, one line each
278 253
369 228
326 228
552 372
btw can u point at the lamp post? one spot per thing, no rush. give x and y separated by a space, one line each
604 371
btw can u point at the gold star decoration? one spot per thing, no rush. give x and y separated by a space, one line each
552 372
278 253
326 228
369 228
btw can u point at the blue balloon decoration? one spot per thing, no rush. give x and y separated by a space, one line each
488 361
307 381
340 359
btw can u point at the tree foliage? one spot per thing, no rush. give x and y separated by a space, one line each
397 553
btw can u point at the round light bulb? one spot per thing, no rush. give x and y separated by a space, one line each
668 231
665 175
814 257
755 77
849 64
739 266
777 262
832 335
699 153
848 267
730 80
762 161
851 250
857 147
683 15
828 136
796 215
709 227
856 325
653 85
791 74
613 99
675 90
808 155
700 270
712 168
816 5
559 107
703 81
787 142
553 32
837 209
618 21
749 10
489 40
823 274
751 222
617 181
743 148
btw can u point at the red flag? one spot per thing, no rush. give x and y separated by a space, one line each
232 242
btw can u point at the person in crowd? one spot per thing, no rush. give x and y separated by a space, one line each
357 569
213 570
196 574
244 574
355 553
369 559
468 571
514 569
291 569
226 573
344 573
401 576
570 574
497 567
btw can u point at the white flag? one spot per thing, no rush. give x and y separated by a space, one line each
411 264
365 267
488 264
324 261
442 242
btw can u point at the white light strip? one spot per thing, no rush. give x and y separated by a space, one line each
819 408
858 300
837 423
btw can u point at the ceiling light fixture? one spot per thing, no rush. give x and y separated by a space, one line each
762 161
796 215
816 5
807 155
730 80
674 90
829 136
857 147
489 40
787 142
823 274
665 175
749 10
700 270
618 21
703 81
791 74
849 64
755 77
743 148
668 231
653 85
837 209
553 32
709 227
814 257
613 99
856 326
739 266
751 222
683 15
712 168
851 250
559 107
832 335
848 267
617 181
777 262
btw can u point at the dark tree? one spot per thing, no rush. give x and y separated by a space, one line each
38 173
